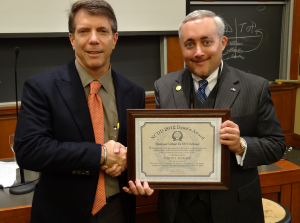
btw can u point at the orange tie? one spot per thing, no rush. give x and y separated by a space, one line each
96 111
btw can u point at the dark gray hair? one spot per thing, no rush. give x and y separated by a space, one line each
92 7
199 14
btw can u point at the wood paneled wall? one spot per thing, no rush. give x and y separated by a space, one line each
284 99
8 123
174 57
150 102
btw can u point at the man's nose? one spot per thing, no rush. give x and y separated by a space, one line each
199 51
94 38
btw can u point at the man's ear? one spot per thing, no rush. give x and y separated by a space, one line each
224 42
72 40
115 39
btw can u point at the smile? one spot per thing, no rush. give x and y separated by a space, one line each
200 61
94 52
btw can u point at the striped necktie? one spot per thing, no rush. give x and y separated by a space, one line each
201 91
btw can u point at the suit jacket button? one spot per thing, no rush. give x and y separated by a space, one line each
87 172
88 208
175 194
74 171
79 171
83 172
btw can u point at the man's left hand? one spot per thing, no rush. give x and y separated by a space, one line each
139 189
230 135
113 171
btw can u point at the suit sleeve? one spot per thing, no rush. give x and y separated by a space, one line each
268 145
36 146
156 94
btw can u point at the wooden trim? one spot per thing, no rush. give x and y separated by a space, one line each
269 190
7 110
294 68
273 197
8 123
296 140
175 59
285 103
150 102
295 203
285 195
279 87
20 214
290 173
289 141
292 140
7 116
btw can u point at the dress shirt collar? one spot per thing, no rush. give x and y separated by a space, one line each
211 79
86 78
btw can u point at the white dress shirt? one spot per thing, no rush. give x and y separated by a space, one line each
212 81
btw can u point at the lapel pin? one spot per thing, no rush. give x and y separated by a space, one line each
233 89
178 88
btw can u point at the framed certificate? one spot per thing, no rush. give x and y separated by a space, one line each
178 148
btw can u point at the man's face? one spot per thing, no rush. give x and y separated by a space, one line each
201 47
93 42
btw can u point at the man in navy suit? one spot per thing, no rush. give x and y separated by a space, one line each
253 135
54 133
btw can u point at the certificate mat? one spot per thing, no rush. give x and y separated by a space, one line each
169 150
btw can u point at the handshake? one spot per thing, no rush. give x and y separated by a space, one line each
116 163
115 160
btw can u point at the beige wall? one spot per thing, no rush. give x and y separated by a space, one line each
297 112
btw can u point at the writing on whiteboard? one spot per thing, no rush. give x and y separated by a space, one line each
243 38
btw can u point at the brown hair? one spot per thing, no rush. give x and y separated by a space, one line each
93 7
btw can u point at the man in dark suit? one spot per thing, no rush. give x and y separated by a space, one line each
55 135
253 135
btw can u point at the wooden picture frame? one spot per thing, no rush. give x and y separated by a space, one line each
171 148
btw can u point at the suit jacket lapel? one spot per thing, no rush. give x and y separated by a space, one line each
124 95
182 97
72 92
228 88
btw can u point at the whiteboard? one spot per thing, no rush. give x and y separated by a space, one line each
48 16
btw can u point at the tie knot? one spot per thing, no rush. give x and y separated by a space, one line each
203 84
94 87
